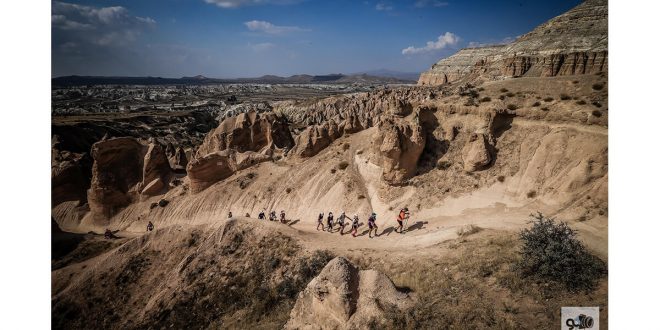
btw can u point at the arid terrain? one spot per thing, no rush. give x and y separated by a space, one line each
486 138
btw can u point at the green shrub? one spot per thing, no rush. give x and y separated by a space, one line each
531 194
564 97
545 109
512 107
509 94
581 102
536 104
596 113
597 86
548 99
343 165
596 104
552 251
504 90
485 99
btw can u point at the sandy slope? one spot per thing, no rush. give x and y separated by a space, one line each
547 159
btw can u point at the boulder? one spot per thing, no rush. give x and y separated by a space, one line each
397 146
343 297
475 153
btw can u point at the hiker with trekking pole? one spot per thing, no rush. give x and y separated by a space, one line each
404 215
340 222
319 222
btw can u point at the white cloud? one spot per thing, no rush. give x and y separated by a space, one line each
61 22
270 28
242 3
430 3
99 26
447 39
260 47
382 6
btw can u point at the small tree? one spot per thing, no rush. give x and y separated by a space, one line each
552 251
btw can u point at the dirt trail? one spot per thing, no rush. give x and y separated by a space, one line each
305 187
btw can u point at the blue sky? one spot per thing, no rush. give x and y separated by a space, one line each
250 38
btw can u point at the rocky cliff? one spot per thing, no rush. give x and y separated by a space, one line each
457 66
569 44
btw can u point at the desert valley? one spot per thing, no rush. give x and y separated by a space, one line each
484 139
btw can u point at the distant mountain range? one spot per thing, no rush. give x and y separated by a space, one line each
412 76
365 78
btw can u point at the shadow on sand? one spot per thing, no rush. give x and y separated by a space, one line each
416 226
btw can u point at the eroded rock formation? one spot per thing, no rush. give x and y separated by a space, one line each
249 131
69 178
123 170
343 297
216 166
315 138
476 152
238 143
354 112
396 147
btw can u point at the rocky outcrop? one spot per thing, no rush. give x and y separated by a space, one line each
343 297
69 176
475 153
569 44
397 147
180 160
125 169
315 138
156 169
216 166
249 131
353 112
238 143
456 66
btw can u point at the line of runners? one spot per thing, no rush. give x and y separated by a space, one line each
342 221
